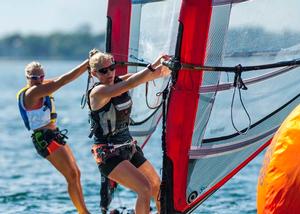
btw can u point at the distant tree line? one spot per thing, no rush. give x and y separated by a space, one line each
255 41
53 46
76 45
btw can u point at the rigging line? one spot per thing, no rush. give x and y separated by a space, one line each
155 108
245 110
140 64
133 123
227 86
256 124
171 63
84 96
237 70
239 84
147 101
163 185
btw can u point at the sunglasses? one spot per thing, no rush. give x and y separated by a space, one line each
106 69
35 77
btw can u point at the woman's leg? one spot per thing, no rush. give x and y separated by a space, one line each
63 160
148 170
129 176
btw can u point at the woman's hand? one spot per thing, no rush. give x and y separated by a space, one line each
160 69
93 52
159 60
165 71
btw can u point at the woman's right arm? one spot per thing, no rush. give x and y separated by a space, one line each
101 94
34 93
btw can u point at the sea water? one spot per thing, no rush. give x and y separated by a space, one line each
29 184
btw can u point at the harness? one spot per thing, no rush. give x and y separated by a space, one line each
43 137
102 152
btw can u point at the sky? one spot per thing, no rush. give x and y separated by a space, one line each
273 15
46 16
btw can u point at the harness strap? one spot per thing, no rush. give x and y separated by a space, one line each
102 152
130 143
43 137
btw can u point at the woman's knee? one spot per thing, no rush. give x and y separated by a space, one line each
155 184
73 174
145 190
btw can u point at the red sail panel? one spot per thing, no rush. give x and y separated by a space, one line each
119 12
195 16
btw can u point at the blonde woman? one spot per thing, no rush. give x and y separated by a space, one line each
116 153
36 106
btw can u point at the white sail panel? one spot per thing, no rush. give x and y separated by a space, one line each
218 150
151 34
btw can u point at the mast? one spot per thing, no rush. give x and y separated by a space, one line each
183 102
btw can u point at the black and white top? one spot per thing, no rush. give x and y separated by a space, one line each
109 124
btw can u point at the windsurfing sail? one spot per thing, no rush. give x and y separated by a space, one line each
129 38
211 128
132 37
211 133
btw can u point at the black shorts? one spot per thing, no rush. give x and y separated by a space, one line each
47 141
137 160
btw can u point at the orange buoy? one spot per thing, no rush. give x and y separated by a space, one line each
278 188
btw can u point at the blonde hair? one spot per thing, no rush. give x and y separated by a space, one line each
32 67
96 61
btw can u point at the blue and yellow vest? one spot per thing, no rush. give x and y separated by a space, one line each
37 118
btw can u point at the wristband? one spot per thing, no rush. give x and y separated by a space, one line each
149 66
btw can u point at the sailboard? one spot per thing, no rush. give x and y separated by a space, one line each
211 127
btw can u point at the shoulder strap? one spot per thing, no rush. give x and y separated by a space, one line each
118 79
21 91
20 97
88 94
49 103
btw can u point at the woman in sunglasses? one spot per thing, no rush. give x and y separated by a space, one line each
116 153
37 109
